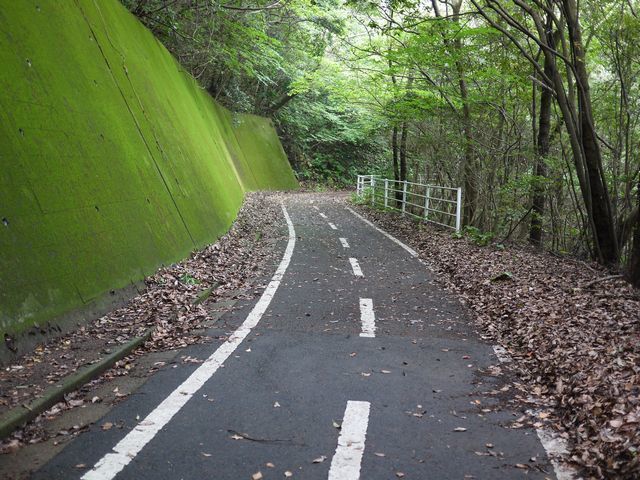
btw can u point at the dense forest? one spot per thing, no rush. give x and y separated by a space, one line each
532 106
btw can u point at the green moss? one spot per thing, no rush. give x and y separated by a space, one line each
114 161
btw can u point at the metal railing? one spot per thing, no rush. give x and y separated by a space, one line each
431 203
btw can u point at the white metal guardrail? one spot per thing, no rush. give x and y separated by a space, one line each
431 203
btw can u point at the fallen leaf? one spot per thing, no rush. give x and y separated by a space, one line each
81 465
107 426
459 429
379 454
270 465
399 474
288 474
320 459
235 436
257 476
206 454
616 423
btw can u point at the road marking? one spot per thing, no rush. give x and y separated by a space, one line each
368 318
127 448
411 251
502 354
323 215
344 242
357 271
555 446
333 226
345 464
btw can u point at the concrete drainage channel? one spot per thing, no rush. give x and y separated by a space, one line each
27 412
22 414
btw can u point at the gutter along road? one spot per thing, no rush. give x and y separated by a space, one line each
353 357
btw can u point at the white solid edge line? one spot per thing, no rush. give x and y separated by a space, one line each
411 251
355 266
555 446
502 354
333 226
127 448
347 460
323 215
344 242
368 318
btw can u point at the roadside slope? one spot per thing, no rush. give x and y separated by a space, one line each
114 160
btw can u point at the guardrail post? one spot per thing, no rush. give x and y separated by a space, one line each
386 193
427 193
458 209
373 191
404 197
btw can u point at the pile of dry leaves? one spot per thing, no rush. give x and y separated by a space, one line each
226 267
575 342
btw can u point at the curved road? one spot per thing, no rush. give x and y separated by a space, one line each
353 358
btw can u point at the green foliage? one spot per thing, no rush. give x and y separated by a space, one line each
474 235
363 198
339 77
188 279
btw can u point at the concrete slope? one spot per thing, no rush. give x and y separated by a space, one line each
114 160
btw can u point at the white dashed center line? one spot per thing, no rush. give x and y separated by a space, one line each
344 242
345 464
357 271
368 318
323 215
333 226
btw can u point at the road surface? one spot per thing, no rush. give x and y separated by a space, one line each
353 357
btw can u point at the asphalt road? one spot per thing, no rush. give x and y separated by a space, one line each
378 376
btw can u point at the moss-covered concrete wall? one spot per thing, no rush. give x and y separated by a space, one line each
113 160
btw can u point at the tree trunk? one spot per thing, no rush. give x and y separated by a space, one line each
403 152
633 269
601 213
394 150
542 150
279 103
577 119
396 160
470 192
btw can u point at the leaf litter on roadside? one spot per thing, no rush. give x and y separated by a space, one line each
167 303
576 350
